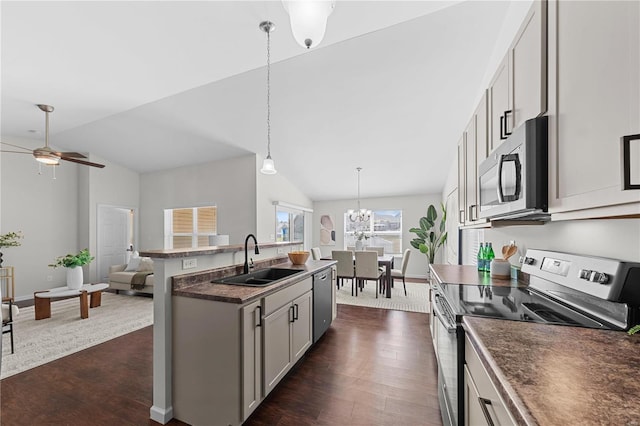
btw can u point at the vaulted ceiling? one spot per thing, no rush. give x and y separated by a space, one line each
158 85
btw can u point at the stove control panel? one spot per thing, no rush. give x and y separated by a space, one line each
594 276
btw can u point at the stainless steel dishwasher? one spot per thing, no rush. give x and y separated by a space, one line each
321 303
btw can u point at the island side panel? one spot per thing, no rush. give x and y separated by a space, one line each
207 361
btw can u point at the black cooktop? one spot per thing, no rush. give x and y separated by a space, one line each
512 303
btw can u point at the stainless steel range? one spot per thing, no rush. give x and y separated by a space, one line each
564 289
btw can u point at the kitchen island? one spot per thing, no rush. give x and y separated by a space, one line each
555 375
232 344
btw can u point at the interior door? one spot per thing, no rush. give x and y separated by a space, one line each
115 235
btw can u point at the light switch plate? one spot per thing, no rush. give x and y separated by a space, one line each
189 263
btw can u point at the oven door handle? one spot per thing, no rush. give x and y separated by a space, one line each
443 319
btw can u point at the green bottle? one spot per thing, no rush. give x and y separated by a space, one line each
489 257
480 258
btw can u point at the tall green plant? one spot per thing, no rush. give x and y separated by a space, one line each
431 235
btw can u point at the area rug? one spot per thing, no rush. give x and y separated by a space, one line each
39 342
416 300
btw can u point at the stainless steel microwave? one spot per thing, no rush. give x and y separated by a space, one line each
513 180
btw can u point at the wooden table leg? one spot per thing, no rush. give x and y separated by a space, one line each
84 305
42 306
96 299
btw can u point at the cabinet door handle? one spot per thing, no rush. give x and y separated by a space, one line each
461 216
292 317
471 217
506 122
502 136
259 311
295 311
483 405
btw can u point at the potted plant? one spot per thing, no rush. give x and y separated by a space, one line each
10 239
360 236
430 236
74 263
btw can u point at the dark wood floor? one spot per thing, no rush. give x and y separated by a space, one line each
372 367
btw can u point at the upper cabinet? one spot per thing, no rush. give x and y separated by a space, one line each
594 101
475 150
518 90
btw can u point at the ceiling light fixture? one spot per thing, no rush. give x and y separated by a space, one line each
46 155
268 167
308 19
360 215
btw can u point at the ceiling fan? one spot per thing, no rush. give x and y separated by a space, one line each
48 156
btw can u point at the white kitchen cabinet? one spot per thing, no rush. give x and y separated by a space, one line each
302 326
518 90
451 245
252 357
288 331
482 403
594 53
475 150
499 103
462 179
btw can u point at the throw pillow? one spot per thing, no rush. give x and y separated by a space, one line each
134 263
146 264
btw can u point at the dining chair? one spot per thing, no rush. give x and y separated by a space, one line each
316 254
344 267
380 250
367 269
400 273
9 311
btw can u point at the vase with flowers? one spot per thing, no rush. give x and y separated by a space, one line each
360 237
10 239
74 264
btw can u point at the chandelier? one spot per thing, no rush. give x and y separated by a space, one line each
360 215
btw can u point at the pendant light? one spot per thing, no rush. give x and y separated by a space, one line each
360 215
268 167
308 19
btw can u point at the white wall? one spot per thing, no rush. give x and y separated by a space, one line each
270 188
46 211
413 208
228 184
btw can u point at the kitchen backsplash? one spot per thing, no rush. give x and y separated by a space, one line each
614 238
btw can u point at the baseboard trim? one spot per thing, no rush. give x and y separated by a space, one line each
161 415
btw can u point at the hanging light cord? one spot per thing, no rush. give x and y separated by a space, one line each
268 93
359 168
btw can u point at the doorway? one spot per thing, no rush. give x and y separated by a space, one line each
115 238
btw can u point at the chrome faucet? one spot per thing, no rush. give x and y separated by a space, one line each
257 251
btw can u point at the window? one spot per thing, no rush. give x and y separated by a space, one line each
383 229
190 227
289 224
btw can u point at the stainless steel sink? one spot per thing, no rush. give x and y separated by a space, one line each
259 278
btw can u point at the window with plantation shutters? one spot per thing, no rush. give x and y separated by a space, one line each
190 227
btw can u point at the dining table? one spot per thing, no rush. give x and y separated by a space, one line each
385 260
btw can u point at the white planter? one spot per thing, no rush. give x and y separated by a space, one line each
74 278
359 245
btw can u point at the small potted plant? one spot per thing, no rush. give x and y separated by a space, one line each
74 263
10 239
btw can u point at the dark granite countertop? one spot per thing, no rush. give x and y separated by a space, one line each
560 375
199 285
469 275
202 251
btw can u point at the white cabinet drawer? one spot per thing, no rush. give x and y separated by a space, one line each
286 295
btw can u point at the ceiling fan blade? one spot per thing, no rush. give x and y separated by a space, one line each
16 146
86 163
70 154
16 152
